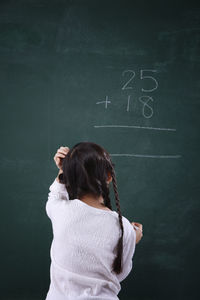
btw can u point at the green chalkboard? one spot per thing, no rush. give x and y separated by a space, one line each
123 74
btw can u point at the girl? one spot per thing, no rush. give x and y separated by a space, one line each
93 245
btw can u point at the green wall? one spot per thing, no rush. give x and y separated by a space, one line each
124 74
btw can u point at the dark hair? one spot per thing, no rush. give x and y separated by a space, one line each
85 171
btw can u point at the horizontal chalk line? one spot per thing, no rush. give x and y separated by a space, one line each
145 155
133 126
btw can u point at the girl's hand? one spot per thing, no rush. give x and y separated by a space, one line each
60 154
139 231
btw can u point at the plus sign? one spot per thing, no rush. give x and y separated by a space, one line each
106 102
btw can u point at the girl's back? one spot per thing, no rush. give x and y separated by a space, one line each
84 247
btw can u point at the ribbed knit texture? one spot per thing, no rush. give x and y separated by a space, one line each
83 248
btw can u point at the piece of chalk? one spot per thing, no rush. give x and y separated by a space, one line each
136 227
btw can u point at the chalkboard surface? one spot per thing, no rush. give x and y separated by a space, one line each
123 74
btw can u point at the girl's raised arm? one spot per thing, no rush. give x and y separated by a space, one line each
57 190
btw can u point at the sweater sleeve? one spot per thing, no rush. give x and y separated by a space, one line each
128 252
57 193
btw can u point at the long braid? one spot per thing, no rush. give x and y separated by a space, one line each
117 263
106 196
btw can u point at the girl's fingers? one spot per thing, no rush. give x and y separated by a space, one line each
64 148
60 155
62 152
138 225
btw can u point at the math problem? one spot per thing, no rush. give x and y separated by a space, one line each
146 100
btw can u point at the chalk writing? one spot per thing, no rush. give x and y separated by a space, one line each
128 84
145 106
106 102
134 126
145 155
147 110
149 77
125 86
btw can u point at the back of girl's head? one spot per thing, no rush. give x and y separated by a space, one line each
86 169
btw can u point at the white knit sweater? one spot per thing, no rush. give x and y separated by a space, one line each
83 248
